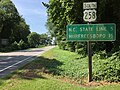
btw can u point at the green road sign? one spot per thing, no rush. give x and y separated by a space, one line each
91 32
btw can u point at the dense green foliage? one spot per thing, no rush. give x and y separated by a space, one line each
21 31
107 68
13 28
35 39
15 46
14 32
9 17
64 12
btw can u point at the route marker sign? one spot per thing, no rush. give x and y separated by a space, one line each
91 32
89 13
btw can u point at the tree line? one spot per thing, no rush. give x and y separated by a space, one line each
12 25
64 12
14 31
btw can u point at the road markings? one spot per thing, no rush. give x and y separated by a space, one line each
35 55
15 64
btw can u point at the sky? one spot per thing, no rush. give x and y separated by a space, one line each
34 14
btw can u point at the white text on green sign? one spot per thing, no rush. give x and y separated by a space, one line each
91 32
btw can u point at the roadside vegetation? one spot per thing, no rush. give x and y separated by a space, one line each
67 12
106 54
34 41
15 34
64 67
61 70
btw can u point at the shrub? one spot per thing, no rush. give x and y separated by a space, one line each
108 68
14 46
22 45
62 45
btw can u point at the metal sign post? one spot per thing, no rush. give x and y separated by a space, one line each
89 61
89 16
91 32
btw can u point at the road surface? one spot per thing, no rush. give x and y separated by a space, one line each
13 60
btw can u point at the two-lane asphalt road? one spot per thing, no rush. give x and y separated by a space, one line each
13 60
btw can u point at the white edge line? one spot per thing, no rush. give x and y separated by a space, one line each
19 62
15 64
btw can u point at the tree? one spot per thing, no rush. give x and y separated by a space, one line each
34 39
9 17
45 39
20 32
12 25
64 12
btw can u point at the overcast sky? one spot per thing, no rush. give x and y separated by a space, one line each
34 14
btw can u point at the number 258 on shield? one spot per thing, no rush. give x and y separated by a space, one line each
89 15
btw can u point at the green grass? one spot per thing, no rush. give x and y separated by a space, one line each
39 84
54 70
72 64
107 87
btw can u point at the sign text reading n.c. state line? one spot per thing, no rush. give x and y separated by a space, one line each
91 32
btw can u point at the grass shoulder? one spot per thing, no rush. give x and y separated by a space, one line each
55 70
